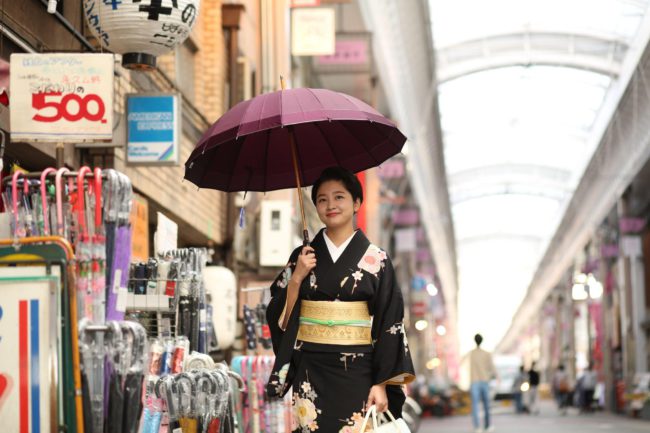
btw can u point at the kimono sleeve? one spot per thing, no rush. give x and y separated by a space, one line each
275 309
392 364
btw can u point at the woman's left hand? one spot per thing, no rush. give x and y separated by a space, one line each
377 396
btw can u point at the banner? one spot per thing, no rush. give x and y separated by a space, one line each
61 97
153 135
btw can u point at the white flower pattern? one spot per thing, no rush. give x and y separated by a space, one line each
373 261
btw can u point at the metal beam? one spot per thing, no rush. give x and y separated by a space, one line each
623 148
590 52
403 49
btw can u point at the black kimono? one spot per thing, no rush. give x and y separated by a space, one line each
331 382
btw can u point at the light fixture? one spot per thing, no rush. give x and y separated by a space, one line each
595 287
433 363
441 330
421 325
432 289
586 286
141 33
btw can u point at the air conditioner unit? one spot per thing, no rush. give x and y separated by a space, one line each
275 232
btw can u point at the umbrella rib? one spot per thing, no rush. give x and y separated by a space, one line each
328 144
234 166
266 157
362 143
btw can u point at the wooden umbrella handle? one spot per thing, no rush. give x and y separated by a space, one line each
294 153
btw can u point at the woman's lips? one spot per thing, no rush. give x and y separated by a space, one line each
331 214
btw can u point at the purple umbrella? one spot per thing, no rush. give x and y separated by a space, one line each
286 138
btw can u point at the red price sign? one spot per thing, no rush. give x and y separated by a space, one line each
54 106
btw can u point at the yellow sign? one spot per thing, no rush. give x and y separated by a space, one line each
140 226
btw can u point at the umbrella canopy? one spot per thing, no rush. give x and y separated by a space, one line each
250 147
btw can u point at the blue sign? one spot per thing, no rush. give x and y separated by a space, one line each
153 125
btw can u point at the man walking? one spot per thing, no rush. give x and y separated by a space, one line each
533 381
481 372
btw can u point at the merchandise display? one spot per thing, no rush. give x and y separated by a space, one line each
132 345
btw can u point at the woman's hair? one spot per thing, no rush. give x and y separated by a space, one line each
346 177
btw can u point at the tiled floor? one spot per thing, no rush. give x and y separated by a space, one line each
549 420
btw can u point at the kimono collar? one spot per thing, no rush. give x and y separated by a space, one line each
328 273
335 252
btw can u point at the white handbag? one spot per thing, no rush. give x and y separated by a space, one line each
391 426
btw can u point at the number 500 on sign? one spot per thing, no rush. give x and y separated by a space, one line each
62 97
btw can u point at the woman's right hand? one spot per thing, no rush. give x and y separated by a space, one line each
305 264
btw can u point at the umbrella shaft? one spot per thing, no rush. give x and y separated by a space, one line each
294 153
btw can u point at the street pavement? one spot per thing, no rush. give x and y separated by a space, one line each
549 420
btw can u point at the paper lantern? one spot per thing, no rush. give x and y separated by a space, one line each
140 30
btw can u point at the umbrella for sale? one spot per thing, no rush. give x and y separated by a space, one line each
287 138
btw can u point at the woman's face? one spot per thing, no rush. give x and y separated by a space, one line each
334 204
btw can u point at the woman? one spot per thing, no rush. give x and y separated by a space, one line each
336 320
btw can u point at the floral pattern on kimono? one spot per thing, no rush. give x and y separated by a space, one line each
343 375
353 424
305 411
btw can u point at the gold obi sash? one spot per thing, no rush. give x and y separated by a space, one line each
339 323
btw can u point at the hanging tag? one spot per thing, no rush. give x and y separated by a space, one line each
122 295
242 212
117 278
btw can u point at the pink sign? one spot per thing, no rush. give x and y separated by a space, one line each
406 217
631 225
347 52
391 169
609 251
423 255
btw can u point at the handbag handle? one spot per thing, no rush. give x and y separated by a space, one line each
373 411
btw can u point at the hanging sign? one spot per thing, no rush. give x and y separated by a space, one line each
166 236
61 97
153 131
140 30
313 32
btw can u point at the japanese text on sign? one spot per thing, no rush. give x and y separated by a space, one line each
61 97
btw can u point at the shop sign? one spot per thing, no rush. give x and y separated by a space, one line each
347 52
28 323
313 32
140 226
166 236
304 3
140 30
631 225
405 240
392 169
406 217
423 255
61 97
153 129
609 251
631 246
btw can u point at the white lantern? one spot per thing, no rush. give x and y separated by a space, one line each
140 30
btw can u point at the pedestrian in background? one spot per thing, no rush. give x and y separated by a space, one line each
481 372
517 393
588 387
533 381
561 389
